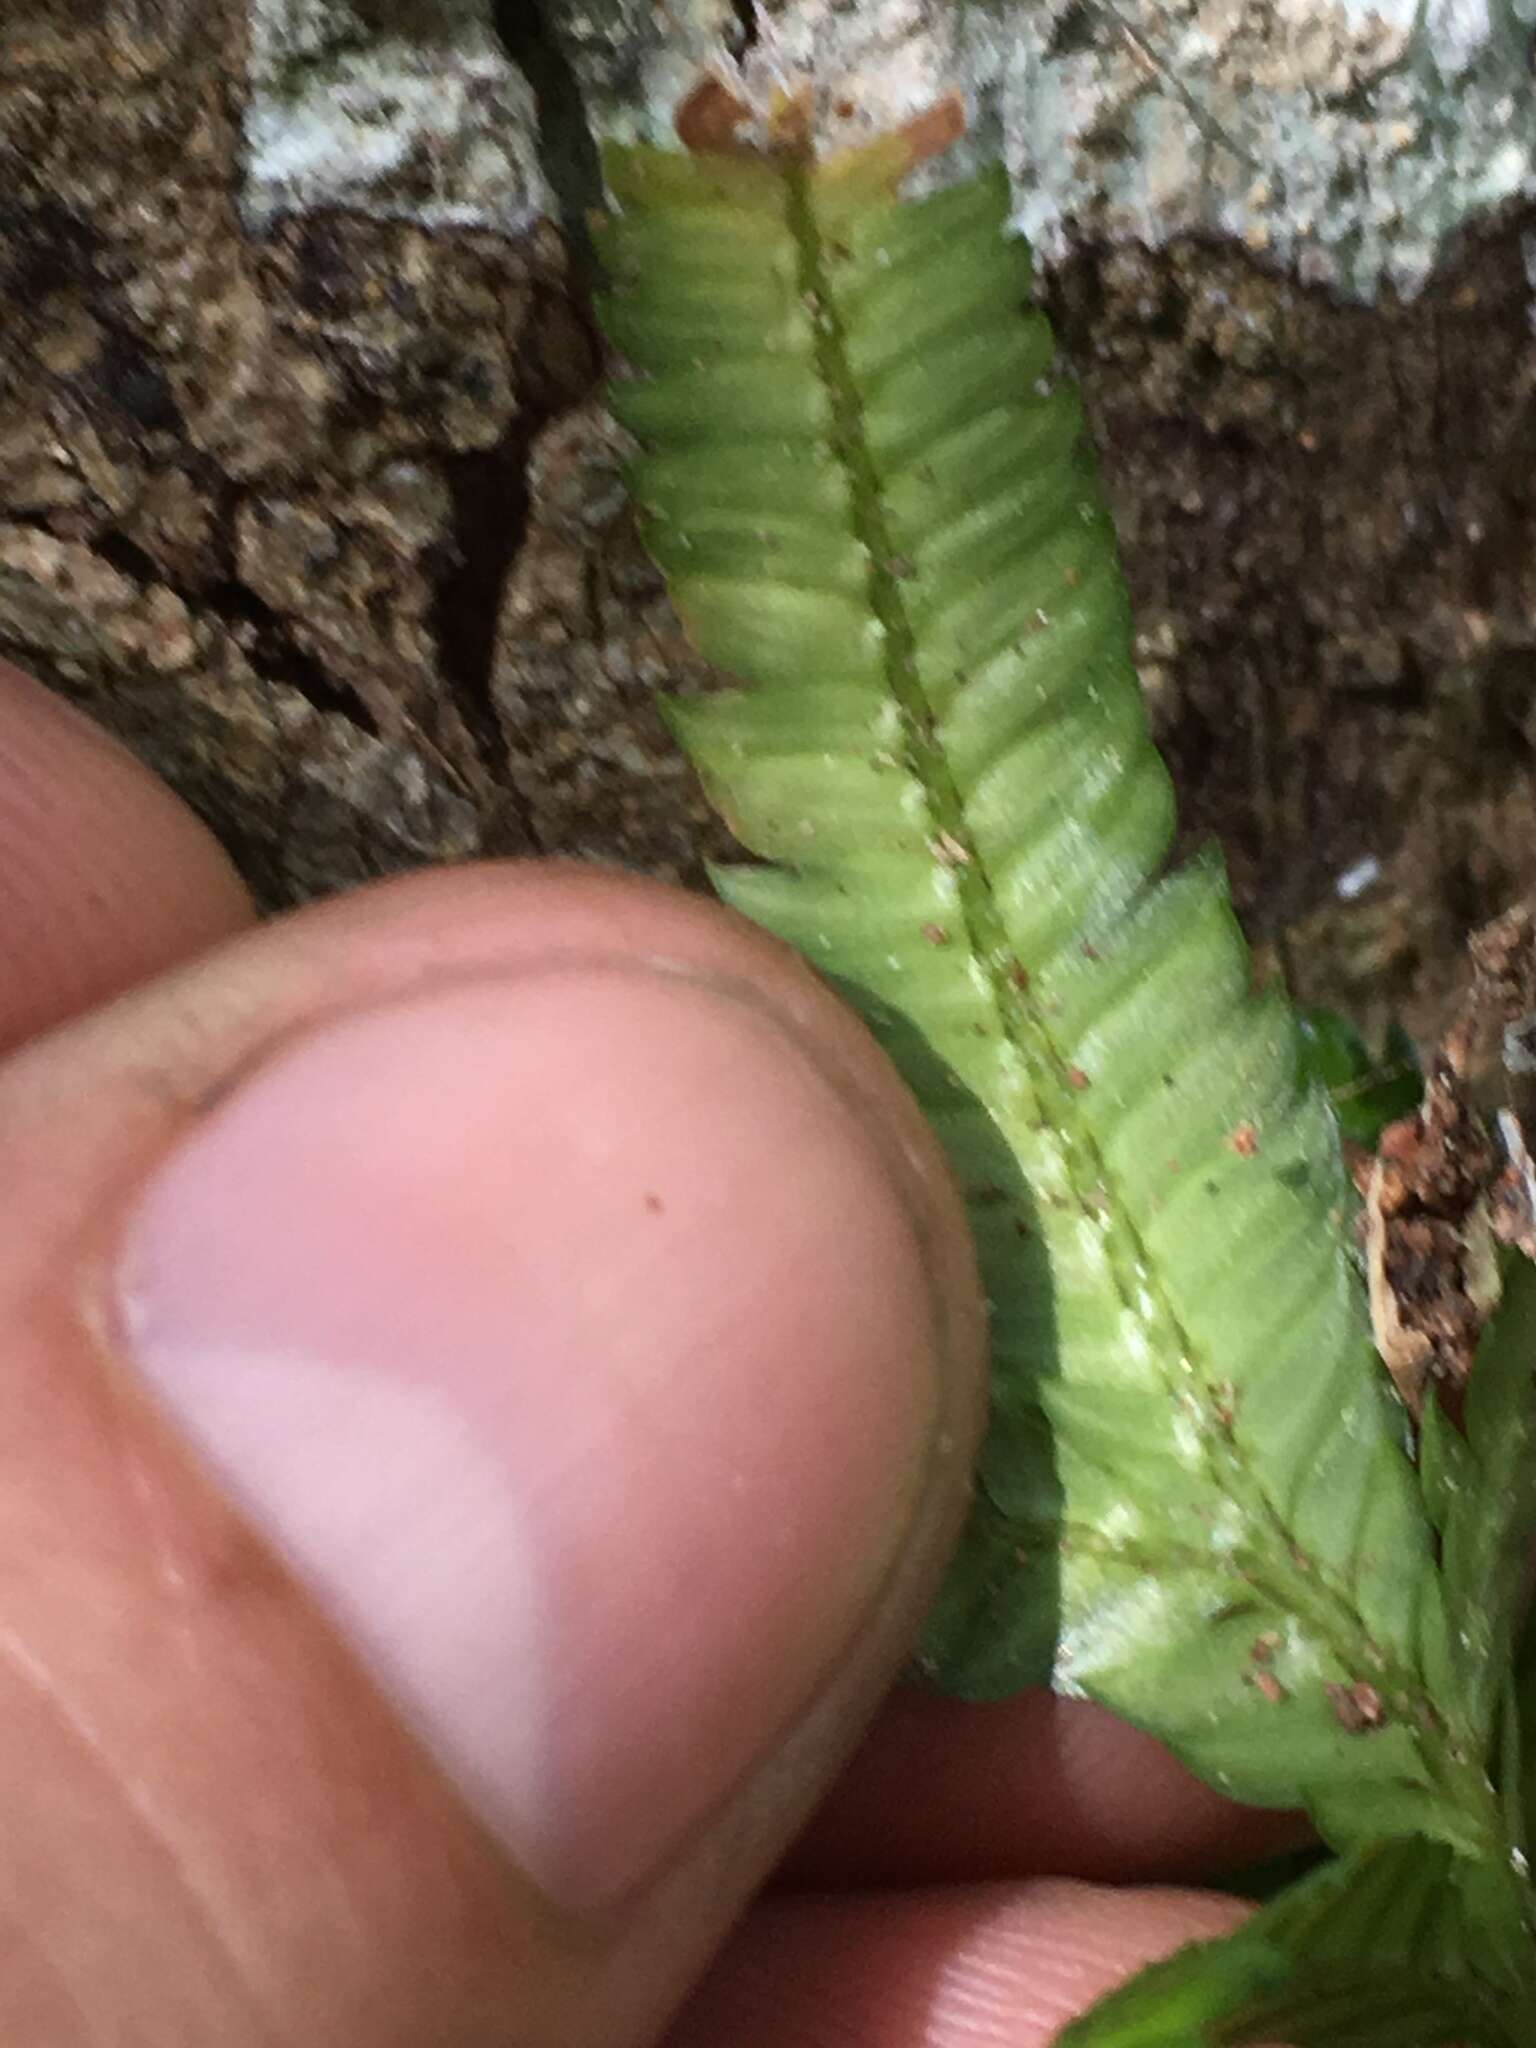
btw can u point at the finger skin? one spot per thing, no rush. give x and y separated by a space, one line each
105 877
214 1827
1034 1786
985 1966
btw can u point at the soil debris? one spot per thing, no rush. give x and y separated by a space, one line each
1442 1193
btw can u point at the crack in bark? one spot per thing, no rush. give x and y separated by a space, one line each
489 488
567 148
261 633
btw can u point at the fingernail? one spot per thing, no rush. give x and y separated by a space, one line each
567 1336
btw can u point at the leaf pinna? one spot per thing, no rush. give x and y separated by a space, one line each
872 498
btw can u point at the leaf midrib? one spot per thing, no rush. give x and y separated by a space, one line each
1328 1611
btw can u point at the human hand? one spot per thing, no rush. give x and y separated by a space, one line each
492 1366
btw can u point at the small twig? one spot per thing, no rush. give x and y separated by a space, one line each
1203 119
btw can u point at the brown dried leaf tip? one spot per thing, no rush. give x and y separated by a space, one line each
1430 1254
744 114
709 119
931 132
1440 1194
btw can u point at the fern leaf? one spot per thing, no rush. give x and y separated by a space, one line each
873 503
1384 1949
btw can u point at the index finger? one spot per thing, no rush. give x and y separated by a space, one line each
106 878
943 1791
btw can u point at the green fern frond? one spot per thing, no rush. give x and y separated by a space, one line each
873 502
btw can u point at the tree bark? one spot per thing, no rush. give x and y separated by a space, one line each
319 509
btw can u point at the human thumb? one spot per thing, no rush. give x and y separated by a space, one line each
492 1365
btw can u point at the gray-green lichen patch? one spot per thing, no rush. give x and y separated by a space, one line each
1351 138
406 107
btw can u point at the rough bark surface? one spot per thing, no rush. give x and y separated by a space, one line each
324 517
265 495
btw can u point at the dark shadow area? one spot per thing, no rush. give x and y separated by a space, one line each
568 151
998 1621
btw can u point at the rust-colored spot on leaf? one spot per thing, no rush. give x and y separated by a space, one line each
1357 1708
1077 1078
1244 1140
707 119
1270 1686
936 934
